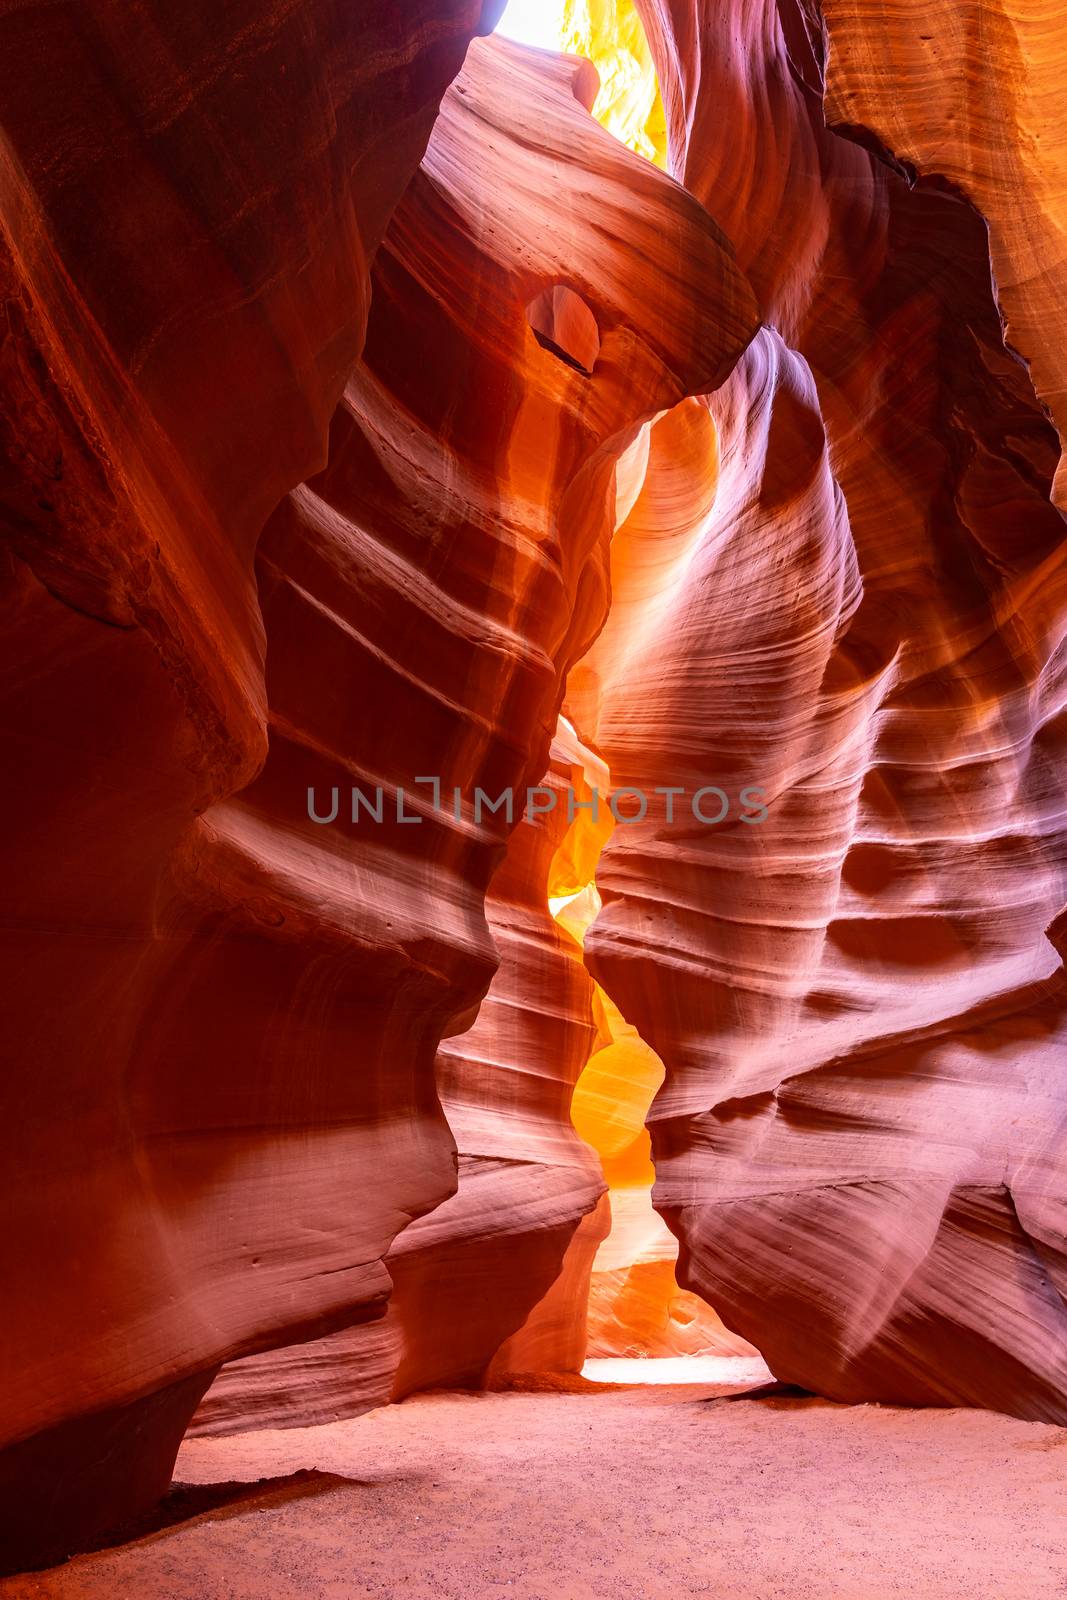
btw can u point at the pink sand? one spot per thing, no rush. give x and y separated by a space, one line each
607 1494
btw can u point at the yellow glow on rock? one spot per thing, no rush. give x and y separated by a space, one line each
610 34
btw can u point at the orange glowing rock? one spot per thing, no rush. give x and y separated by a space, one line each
635 1305
336 455
609 1107
858 1004
470 492
975 95
246 565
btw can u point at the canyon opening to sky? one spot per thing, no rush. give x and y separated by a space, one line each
534 692
636 1309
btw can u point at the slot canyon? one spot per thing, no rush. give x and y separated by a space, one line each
535 732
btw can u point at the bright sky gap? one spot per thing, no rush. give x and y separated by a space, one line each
538 22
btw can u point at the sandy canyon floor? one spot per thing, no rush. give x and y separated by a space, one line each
606 1492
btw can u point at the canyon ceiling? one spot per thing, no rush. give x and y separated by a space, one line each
370 412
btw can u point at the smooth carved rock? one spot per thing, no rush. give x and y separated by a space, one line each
554 1339
859 1002
242 563
424 597
466 1275
189 203
635 1305
973 93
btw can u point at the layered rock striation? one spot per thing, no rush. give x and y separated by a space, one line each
973 95
188 210
466 1275
261 922
332 456
858 1002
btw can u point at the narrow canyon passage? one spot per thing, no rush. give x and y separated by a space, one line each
409 436
666 485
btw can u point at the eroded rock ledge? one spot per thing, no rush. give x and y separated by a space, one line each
326 444
860 1004
250 1003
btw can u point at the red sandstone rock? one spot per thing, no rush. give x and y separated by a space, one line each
974 94
858 1003
840 577
188 208
635 1305
466 1275
424 597
554 1339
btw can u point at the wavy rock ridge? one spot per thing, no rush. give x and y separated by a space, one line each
188 209
858 1004
461 452
255 982
336 406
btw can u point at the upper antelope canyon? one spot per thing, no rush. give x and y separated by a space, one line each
534 713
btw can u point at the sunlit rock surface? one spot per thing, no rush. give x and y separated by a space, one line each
858 1002
610 34
665 487
424 597
636 1308
245 563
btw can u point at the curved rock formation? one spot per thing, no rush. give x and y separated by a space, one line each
554 1339
188 209
319 469
466 1275
858 1002
253 994
974 94
635 1305
424 597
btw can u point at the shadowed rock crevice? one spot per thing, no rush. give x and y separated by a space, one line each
890 674
563 324
364 406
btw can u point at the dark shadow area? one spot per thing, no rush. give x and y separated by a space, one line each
215 1502
564 325
772 1391
556 1383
